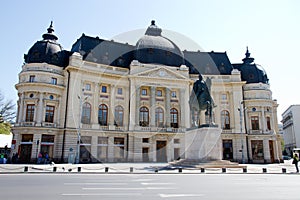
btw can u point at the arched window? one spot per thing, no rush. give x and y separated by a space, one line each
159 117
144 116
225 119
86 113
119 113
102 115
174 117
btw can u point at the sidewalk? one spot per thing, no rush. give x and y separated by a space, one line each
281 168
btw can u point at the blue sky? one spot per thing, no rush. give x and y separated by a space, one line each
270 28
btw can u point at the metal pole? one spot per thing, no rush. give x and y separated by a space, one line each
78 131
241 126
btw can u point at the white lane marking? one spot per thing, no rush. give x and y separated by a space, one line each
158 183
110 183
142 180
139 188
103 194
179 195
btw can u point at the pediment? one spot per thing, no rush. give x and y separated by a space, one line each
161 73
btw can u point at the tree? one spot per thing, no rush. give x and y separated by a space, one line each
7 114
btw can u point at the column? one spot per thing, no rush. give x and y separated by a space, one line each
266 148
168 107
263 120
21 109
95 107
110 149
57 111
40 107
152 108
112 108
137 104
183 109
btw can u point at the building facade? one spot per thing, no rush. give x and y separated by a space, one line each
115 102
291 133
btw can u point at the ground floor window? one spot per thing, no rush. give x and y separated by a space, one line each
257 149
119 148
85 148
227 150
176 153
102 151
145 154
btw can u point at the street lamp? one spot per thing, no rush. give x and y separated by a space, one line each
79 124
241 110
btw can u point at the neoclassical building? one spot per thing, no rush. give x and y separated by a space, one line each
116 102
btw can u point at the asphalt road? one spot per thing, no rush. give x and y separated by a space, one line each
149 186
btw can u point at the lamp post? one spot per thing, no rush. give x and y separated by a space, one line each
79 128
241 110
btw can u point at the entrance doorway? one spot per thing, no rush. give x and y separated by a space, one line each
161 151
145 154
271 151
227 150
25 153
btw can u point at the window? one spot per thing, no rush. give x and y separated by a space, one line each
255 123
159 93
145 140
120 91
53 81
86 113
85 148
268 123
176 141
31 78
159 117
30 112
174 118
102 115
144 92
88 87
144 116
119 148
225 120
257 149
104 89
119 113
102 148
173 94
224 97
49 114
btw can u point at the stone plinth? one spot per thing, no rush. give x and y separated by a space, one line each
203 144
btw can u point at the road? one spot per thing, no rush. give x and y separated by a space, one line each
149 186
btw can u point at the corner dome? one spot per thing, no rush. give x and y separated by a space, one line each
251 72
46 50
156 49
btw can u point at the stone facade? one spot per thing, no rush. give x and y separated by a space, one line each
139 114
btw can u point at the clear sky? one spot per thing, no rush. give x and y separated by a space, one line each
271 29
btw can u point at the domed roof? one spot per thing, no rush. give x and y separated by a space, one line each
251 72
156 49
46 50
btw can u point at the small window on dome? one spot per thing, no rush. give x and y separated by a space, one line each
251 76
151 51
31 95
36 54
54 57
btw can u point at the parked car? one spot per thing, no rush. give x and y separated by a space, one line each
286 157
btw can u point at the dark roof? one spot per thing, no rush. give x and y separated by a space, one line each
251 72
207 62
48 51
104 51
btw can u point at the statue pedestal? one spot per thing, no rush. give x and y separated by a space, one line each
203 144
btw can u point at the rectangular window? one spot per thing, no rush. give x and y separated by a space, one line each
54 81
144 92
49 116
102 148
176 141
257 149
255 123
30 112
119 148
268 123
104 89
159 93
88 87
120 91
145 140
31 78
173 94
224 97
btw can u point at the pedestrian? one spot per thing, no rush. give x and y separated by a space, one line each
40 157
295 162
46 158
